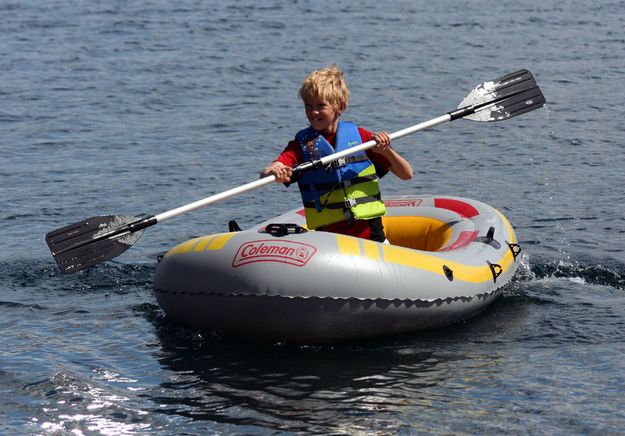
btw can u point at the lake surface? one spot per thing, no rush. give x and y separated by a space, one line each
140 107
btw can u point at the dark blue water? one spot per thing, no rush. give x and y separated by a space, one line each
139 107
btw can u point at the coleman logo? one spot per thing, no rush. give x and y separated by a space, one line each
403 203
292 253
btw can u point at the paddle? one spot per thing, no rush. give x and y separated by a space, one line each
101 238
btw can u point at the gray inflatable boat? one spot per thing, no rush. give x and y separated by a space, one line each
448 259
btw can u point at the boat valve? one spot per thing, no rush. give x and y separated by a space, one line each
448 273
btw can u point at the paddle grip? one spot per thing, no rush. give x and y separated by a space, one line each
461 113
135 226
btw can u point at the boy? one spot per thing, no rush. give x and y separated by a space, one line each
340 198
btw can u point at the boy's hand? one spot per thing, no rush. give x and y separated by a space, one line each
383 142
279 170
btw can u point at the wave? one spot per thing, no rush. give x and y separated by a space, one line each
593 272
38 277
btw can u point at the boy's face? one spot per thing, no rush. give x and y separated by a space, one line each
323 115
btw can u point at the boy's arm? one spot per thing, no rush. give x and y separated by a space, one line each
399 166
396 163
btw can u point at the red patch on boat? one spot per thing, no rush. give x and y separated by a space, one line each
464 239
271 250
463 209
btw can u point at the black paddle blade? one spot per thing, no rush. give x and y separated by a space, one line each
92 241
505 97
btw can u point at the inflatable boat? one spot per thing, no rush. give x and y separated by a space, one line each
448 259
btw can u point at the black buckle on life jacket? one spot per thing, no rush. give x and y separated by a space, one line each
280 229
350 202
353 202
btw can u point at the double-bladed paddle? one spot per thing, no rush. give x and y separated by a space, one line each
101 238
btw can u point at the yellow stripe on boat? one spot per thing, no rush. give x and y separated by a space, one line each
204 242
220 241
210 242
185 247
371 249
509 229
348 245
434 264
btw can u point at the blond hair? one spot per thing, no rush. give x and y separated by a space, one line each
327 83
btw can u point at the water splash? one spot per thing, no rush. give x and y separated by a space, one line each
552 130
608 273
117 222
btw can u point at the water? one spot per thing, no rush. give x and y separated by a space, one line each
139 107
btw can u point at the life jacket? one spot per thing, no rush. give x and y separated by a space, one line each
343 190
